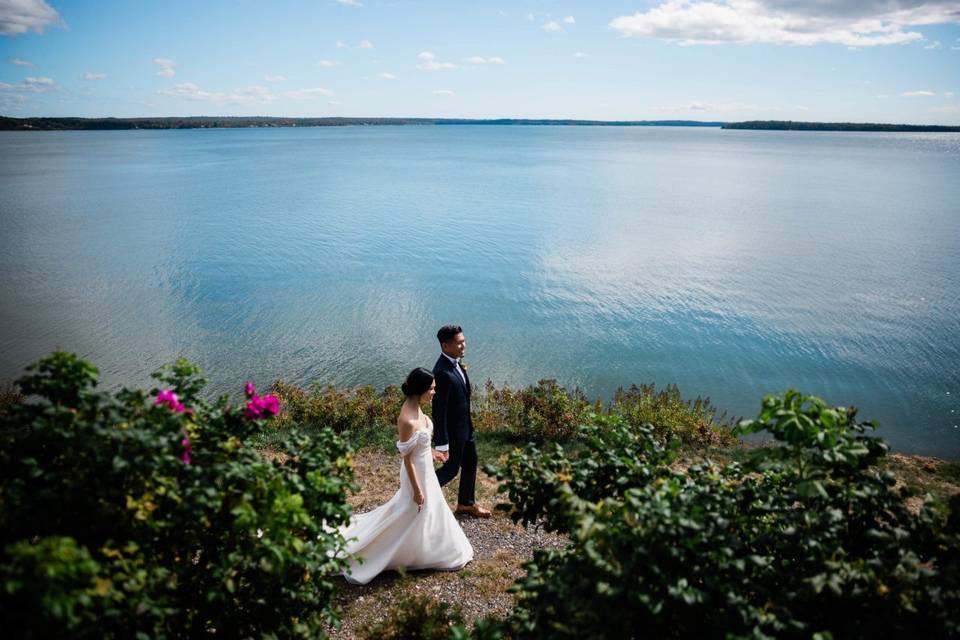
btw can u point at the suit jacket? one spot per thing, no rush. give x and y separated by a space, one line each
451 404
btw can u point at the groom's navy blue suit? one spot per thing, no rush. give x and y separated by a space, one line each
453 426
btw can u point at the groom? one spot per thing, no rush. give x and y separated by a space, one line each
452 427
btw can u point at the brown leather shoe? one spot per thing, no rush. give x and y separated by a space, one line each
474 510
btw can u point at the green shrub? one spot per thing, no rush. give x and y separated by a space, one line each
616 456
545 412
123 515
695 422
806 539
344 411
541 413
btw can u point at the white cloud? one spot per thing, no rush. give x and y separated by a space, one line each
727 107
167 67
428 62
856 23
580 54
278 78
190 91
334 102
552 26
351 3
20 16
93 76
366 44
482 60
530 16
31 84
19 62
39 84
443 92
949 94
569 20
917 94
256 93
341 44
328 64
933 45
951 108
11 101
386 75
306 94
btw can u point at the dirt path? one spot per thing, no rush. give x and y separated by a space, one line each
500 548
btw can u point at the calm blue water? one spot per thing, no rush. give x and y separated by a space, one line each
733 263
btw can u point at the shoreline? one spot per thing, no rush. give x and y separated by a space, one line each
265 122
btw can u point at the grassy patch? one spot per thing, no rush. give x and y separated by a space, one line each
923 475
545 412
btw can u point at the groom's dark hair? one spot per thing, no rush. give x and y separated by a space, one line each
446 332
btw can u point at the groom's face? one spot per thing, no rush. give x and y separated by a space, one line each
456 347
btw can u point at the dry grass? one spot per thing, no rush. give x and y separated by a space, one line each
924 474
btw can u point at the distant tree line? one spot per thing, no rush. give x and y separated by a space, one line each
202 122
206 122
789 125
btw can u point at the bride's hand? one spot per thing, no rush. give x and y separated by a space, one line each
418 499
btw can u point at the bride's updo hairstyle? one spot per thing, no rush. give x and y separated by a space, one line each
417 383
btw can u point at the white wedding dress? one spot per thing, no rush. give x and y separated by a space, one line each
396 535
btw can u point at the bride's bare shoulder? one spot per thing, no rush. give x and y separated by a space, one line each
405 427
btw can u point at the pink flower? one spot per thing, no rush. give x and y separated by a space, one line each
252 412
270 405
259 407
170 399
185 456
167 397
249 389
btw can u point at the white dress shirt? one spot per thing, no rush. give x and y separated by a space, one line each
456 365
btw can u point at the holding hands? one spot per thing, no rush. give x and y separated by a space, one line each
440 456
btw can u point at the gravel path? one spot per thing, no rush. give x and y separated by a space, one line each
500 548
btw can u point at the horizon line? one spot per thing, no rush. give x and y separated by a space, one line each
108 123
477 119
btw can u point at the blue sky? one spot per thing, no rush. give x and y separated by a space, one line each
820 60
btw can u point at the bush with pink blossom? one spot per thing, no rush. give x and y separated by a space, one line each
135 514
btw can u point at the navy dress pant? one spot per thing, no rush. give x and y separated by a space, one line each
463 459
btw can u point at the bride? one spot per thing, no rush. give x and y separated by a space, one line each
415 529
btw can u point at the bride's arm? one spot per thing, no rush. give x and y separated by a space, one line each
417 492
407 429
